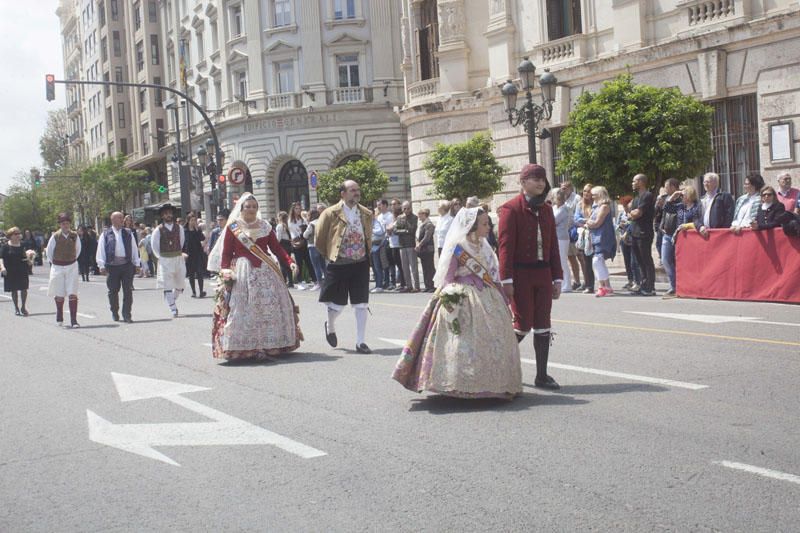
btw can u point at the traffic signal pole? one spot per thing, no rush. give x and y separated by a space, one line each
219 156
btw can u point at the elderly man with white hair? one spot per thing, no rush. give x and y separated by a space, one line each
787 195
717 205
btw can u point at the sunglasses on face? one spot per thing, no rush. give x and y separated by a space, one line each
767 194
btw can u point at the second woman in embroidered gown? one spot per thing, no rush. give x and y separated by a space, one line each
256 316
482 359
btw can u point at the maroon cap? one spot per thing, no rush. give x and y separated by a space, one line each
532 170
63 217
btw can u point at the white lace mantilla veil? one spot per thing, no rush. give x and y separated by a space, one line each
215 255
459 229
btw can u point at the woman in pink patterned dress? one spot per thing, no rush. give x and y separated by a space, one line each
254 314
464 344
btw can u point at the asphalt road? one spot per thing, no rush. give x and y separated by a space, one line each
662 424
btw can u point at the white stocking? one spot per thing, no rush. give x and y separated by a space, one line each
332 314
361 324
170 297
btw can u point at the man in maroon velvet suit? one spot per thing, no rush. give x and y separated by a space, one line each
530 266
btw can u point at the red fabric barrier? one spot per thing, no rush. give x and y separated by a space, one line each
754 265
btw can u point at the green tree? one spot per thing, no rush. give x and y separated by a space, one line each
627 128
25 206
372 181
465 169
108 185
53 142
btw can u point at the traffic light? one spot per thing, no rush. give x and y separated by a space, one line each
162 189
221 179
37 180
51 87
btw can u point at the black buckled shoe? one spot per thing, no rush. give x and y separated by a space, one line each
330 337
363 348
114 316
546 383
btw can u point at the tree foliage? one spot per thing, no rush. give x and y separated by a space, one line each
110 185
53 142
90 191
465 169
372 181
627 128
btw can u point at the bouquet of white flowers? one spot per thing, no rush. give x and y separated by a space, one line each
30 255
450 298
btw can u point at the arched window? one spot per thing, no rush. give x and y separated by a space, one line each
293 185
348 159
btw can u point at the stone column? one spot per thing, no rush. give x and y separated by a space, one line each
453 51
313 55
500 38
383 47
255 66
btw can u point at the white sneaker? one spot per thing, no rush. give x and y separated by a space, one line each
301 286
376 290
316 287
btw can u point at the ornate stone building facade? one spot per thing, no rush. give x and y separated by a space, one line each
740 56
292 86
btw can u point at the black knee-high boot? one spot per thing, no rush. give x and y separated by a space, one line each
191 284
15 299
24 294
200 285
541 345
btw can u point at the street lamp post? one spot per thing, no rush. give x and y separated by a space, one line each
530 114
205 156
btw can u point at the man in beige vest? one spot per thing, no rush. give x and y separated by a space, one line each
63 250
343 236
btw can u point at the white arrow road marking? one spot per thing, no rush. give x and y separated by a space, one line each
225 430
713 319
766 472
631 377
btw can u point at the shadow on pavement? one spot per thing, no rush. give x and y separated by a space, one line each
442 405
196 315
98 326
610 388
290 358
151 321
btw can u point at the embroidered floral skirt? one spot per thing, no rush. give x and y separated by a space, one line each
256 317
481 361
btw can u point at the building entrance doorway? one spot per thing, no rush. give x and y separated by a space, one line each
293 185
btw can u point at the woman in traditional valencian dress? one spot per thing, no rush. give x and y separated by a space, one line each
464 343
254 314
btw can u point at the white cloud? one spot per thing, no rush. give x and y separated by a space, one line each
30 47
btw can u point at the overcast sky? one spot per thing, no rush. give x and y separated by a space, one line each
30 47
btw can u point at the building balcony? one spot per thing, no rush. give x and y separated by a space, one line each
73 107
74 137
700 12
349 95
423 90
280 101
565 50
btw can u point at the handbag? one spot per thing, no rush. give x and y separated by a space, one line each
298 244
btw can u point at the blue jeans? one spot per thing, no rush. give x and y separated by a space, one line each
317 262
375 255
668 259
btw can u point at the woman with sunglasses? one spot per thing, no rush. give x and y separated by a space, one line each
771 213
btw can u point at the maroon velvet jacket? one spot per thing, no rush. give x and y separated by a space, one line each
232 248
517 238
